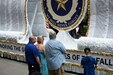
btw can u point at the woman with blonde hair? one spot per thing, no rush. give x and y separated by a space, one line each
41 48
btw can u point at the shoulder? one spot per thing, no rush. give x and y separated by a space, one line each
32 46
29 45
57 41
49 42
92 57
83 58
41 46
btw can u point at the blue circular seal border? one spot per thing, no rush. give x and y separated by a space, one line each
75 20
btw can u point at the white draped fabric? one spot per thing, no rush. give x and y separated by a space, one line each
21 18
67 40
36 18
100 34
96 44
12 19
12 15
101 19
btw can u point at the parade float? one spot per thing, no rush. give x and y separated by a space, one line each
80 24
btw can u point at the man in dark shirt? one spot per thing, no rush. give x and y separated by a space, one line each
32 56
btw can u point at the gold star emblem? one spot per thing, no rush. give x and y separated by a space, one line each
61 4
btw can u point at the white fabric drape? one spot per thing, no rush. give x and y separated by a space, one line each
20 19
101 19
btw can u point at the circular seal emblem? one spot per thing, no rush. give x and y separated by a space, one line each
64 14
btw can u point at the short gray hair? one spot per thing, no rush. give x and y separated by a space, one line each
52 35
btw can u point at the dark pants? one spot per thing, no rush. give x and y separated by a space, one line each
34 69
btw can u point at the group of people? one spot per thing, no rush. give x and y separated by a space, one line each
49 59
45 60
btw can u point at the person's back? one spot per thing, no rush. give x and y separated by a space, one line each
89 63
30 59
32 56
41 48
55 55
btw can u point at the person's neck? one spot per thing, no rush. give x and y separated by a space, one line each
40 43
31 42
88 54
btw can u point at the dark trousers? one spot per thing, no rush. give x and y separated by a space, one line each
34 69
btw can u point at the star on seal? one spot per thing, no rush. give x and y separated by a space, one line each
61 4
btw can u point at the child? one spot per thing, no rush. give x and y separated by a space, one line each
88 62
